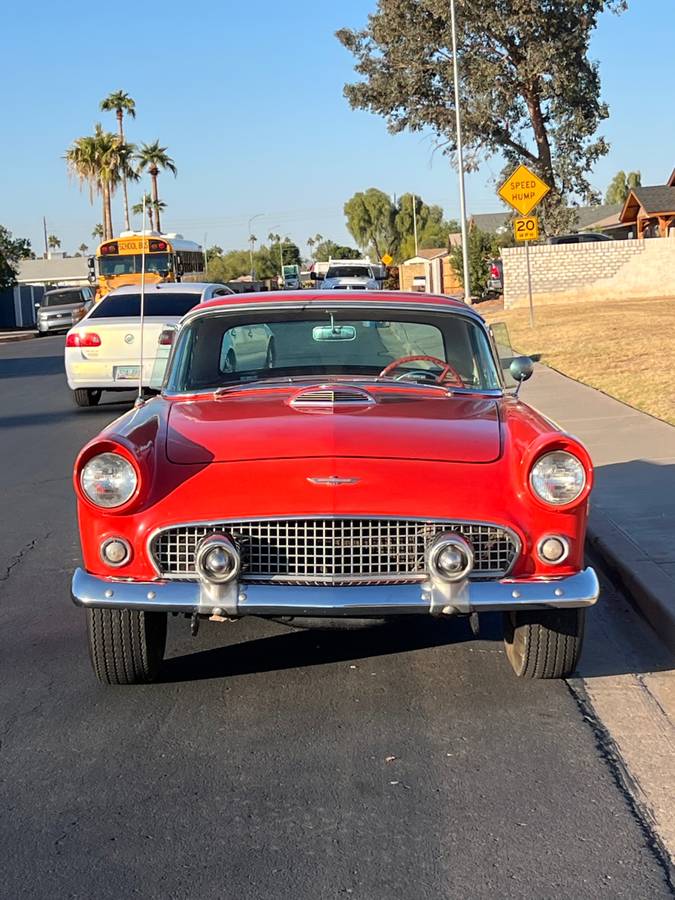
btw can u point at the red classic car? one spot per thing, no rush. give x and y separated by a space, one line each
337 454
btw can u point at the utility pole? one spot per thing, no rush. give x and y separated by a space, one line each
460 159
44 226
414 204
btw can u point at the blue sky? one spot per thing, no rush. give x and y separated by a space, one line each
248 100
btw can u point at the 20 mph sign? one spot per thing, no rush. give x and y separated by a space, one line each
523 190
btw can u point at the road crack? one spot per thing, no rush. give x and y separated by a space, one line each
19 557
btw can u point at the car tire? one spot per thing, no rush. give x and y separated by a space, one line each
544 643
126 646
86 397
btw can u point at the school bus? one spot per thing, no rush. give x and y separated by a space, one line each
168 257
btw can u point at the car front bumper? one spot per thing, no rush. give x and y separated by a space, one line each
357 601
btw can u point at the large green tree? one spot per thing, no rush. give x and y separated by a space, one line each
621 185
529 90
12 250
152 157
100 161
432 228
328 249
120 103
370 221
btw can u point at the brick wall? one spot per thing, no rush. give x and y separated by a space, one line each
606 270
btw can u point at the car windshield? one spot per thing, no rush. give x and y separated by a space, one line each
62 298
132 264
349 272
125 306
218 350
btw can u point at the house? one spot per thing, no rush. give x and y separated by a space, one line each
650 211
431 271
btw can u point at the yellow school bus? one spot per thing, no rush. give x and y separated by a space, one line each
168 257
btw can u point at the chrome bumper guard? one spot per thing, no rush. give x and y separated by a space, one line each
434 596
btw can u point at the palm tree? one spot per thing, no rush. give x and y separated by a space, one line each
137 210
153 158
100 161
83 248
53 242
120 103
97 232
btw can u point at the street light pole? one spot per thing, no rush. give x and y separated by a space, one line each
250 242
460 159
414 205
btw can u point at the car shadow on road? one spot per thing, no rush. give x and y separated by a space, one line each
28 366
302 647
106 412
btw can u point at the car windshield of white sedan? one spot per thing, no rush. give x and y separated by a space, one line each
157 303
222 350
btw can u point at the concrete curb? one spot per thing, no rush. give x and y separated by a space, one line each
648 585
7 337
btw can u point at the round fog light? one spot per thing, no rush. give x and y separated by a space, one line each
450 557
217 559
553 550
115 551
218 562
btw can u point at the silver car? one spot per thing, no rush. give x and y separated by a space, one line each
61 308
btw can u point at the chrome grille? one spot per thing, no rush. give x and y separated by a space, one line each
335 550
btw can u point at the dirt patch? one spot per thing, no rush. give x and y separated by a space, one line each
625 348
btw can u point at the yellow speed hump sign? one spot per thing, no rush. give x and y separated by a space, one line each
523 190
526 228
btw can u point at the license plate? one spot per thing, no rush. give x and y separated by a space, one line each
127 373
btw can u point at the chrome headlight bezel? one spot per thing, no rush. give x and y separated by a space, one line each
119 469
577 469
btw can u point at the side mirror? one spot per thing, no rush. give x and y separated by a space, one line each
179 266
90 263
521 368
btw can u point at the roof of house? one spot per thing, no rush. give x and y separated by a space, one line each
491 222
39 271
592 216
430 253
654 199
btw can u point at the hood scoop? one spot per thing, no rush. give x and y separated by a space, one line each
331 396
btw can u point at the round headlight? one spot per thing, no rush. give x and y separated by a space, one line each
558 478
108 480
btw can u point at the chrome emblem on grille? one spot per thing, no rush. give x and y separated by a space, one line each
334 481
128 338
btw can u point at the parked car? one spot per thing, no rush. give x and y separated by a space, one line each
377 465
354 275
103 351
61 308
579 237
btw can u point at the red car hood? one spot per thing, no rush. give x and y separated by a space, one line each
400 425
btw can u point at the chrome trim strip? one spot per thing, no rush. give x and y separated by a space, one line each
573 591
211 523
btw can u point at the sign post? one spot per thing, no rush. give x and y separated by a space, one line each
523 190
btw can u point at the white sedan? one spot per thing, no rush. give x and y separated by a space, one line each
103 351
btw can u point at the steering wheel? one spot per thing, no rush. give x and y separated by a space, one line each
446 368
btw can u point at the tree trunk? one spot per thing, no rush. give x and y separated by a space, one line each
540 134
154 172
125 196
107 213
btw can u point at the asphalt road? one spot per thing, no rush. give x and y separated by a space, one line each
394 762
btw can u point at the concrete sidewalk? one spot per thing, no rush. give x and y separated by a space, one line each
6 336
632 522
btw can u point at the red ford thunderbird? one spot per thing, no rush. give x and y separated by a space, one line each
337 454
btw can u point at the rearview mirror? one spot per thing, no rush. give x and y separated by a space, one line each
521 368
334 333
